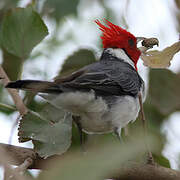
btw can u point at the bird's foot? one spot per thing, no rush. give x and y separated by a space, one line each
76 119
117 132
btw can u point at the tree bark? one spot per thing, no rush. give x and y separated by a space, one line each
147 172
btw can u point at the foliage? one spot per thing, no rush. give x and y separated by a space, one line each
21 30
60 9
49 134
77 60
166 83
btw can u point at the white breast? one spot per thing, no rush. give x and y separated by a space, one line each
120 53
96 116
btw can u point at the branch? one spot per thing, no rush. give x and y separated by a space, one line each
9 172
19 156
14 93
147 172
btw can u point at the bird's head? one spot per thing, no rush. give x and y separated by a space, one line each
116 37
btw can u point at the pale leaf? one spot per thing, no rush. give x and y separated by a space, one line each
160 59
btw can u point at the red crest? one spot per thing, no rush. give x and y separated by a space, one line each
116 37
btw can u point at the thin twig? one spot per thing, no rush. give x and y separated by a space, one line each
24 166
14 93
6 106
150 157
142 112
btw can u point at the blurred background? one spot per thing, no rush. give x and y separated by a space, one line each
74 35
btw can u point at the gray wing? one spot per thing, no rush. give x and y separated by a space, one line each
115 78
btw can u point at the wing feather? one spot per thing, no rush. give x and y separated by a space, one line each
117 78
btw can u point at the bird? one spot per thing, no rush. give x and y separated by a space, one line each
102 97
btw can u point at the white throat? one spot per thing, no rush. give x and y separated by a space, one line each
119 53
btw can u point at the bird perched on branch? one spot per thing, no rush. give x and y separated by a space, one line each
102 97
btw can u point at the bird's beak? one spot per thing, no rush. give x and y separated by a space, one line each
140 39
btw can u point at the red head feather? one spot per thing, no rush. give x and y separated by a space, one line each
116 37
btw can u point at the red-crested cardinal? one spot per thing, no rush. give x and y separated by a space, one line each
103 96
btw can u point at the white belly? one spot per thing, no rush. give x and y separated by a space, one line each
126 109
96 116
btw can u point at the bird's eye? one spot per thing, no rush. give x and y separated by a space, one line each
131 42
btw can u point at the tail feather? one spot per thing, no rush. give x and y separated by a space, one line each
35 86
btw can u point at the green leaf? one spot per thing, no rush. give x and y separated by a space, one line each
6 4
164 90
22 29
60 8
12 65
77 60
50 136
161 160
154 116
